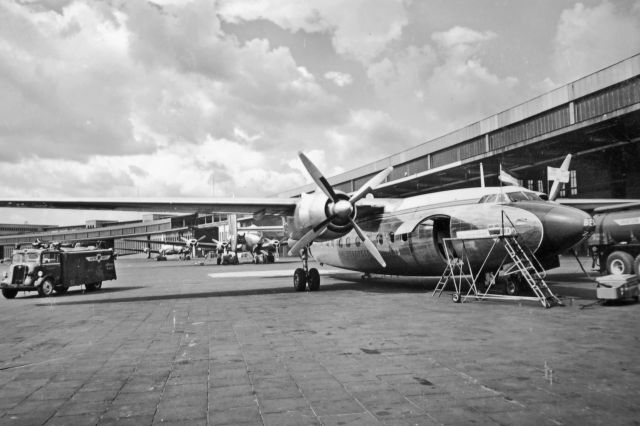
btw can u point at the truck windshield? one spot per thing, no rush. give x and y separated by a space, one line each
25 257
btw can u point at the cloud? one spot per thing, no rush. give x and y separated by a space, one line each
144 90
362 30
443 85
340 79
590 38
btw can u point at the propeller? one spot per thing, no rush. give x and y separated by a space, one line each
340 209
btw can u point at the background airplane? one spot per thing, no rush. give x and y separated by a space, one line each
185 249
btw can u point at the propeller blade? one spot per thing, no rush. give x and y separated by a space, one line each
201 238
317 177
555 188
369 245
309 237
371 184
186 240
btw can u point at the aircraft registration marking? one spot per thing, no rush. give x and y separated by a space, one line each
267 274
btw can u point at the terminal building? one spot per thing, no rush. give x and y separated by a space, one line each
595 118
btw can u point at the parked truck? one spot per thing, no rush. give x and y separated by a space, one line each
615 244
54 268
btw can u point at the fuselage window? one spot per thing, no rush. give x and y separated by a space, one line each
340 242
357 241
405 237
347 242
379 238
392 237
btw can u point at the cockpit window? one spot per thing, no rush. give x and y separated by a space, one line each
523 196
517 196
494 198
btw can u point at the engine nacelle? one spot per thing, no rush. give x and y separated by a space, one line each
312 210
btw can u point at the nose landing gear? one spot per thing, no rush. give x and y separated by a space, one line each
303 276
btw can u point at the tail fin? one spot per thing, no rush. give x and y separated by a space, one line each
233 231
558 176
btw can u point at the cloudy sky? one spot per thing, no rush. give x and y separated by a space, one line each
200 98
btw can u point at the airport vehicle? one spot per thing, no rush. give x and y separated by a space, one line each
616 240
55 268
399 236
617 287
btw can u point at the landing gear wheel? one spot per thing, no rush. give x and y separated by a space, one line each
299 280
9 293
313 278
512 286
46 288
456 297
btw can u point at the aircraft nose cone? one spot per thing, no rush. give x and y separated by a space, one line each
342 208
565 227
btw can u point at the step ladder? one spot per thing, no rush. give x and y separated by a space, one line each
454 272
526 264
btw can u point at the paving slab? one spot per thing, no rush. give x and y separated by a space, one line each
175 343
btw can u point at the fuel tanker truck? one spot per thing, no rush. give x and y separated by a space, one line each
616 241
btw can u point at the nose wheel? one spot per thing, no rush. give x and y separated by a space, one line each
303 276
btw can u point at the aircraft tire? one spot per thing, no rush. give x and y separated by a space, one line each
512 286
299 280
456 297
619 263
9 293
313 279
46 288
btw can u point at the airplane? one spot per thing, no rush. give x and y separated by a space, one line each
185 249
263 249
393 236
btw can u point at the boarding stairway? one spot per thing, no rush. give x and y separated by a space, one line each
520 264
527 265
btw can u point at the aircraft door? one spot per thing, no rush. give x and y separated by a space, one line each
427 242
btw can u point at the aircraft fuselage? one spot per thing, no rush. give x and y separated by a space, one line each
410 234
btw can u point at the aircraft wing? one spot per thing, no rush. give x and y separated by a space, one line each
261 206
171 243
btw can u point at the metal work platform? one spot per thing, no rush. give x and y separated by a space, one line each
519 266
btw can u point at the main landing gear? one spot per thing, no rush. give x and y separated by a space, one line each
303 276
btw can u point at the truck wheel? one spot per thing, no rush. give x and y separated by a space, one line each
619 263
46 288
9 293
93 286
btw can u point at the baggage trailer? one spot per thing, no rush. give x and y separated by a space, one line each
46 270
617 287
